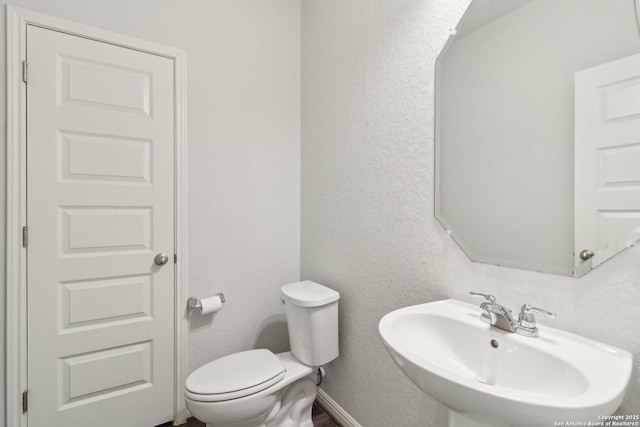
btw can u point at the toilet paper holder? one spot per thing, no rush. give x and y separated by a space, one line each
194 303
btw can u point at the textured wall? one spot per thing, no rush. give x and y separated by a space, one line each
367 206
244 152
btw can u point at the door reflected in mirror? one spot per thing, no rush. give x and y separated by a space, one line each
525 89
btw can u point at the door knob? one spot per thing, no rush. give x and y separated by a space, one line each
586 254
161 259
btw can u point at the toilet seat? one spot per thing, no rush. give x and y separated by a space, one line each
235 376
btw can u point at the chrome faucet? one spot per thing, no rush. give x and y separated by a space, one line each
527 321
501 317
496 314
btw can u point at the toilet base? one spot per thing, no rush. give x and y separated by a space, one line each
295 406
292 407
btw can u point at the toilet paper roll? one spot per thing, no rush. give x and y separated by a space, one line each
211 304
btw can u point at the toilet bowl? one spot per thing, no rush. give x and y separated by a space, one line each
257 388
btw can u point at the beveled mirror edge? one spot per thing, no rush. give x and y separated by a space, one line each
578 270
448 230
637 6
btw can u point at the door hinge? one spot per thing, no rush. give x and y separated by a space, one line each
25 236
25 401
25 68
175 258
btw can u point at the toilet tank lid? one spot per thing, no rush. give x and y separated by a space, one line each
309 294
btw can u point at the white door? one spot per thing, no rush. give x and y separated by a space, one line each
607 159
100 192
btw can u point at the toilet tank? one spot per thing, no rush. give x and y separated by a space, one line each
312 320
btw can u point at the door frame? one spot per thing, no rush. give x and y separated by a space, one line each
16 266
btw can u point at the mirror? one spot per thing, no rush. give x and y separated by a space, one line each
525 89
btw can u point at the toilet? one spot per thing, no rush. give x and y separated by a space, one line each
257 388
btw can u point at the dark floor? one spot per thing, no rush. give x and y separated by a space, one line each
320 419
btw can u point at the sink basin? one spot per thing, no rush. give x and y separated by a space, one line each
490 377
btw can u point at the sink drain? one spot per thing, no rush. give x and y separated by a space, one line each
494 344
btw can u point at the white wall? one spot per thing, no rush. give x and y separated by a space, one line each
244 151
368 228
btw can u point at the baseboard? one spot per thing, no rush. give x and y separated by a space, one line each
334 410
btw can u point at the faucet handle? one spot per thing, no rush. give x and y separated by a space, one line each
528 310
488 297
527 320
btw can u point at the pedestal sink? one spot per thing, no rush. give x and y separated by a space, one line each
493 378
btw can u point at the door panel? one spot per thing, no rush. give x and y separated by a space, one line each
100 190
104 372
86 82
121 299
607 153
104 158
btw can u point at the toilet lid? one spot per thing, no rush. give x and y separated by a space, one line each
236 375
